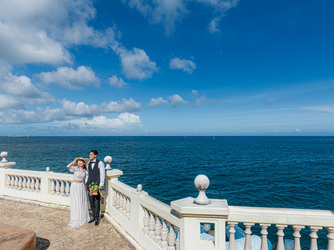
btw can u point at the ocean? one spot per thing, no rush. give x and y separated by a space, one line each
268 171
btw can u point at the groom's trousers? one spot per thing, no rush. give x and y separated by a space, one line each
95 205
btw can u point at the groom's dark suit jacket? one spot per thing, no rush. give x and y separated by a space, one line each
93 174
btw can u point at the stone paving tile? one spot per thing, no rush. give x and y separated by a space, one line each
52 232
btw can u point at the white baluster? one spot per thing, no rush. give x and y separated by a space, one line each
37 184
24 183
67 189
28 184
8 181
171 238
128 208
12 181
20 183
117 200
32 184
146 222
114 198
248 231
330 237
280 234
52 186
296 234
124 206
120 209
151 224
57 187
177 242
62 188
16 182
157 229
314 237
264 232
232 236
164 233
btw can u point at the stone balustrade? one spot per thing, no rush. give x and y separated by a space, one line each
187 223
310 221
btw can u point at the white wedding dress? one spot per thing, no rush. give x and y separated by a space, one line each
78 199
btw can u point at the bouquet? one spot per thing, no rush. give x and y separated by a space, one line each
93 189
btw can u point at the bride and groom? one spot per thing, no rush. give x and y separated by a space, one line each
88 176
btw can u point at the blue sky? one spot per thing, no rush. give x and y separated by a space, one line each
166 67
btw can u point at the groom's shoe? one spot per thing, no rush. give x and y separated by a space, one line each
91 220
97 222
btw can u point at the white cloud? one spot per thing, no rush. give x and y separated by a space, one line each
8 102
201 99
68 111
169 12
213 26
20 89
157 101
185 65
298 130
135 63
176 100
117 82
38 31
321 108
194 92
70 78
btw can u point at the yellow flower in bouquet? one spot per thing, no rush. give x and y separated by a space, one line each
93 189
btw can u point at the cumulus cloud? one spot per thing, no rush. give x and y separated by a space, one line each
136 64
176 100
117 82
184 65
69 111
8 102
70 78
20 89
298 130
41 31
169 12
157 102
123 122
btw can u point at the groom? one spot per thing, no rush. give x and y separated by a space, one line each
96 174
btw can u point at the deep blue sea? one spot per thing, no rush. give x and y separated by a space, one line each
291 172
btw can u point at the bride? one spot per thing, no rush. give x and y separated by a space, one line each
78 197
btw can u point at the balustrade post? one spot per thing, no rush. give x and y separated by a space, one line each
214 211
330 237
232 245
296 234
264 232
314 237
248 231
4 164
111 175
280 234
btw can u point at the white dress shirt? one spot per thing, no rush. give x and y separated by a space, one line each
102 172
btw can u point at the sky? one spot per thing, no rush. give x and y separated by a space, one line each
166 67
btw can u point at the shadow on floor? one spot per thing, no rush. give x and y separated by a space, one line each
42 243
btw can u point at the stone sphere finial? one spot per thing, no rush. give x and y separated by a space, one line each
4 155
202 182
47 169
108 160
139 188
